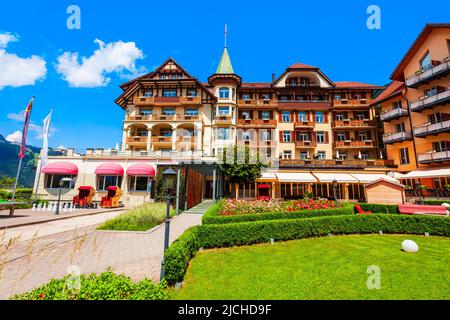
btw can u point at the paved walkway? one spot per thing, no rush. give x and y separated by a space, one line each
25 265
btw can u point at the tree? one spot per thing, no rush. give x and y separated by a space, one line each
6 182
240 165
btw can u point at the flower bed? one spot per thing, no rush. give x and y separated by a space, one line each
239 207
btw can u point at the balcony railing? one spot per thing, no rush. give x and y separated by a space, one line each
257 102
305 144
167 101
432 101
393 114
432 129
425 76
161 117
161 139
353 123
355 144
350 102
223 119
397 137
350 164
137 139
304 124
257 122
434 156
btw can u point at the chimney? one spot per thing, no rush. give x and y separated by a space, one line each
273 77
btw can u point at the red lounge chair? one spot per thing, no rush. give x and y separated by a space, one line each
264 192
112 198
360 210
84 197
423 209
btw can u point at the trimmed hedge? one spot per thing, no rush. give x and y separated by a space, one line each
379 208
178 255
435 202
213 217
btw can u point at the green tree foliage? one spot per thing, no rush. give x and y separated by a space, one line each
241 165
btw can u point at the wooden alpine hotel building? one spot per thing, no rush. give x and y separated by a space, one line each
312 129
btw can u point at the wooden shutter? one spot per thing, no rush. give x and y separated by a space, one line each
327 137
292 136
369 135
280 117
309 116
325 117
347 135
281 136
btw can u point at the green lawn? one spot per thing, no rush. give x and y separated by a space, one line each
141 218
321 268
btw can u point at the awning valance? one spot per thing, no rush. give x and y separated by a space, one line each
141 169
109 169
432 173
330 176
295 177
61 168
371 177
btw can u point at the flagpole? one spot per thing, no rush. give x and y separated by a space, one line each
46 129
17 180
37 182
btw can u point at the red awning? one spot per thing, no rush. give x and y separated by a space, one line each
113 169
61 168
264 186
141 169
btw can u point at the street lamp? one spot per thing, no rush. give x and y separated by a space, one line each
419 188
169 181
61 185
335 189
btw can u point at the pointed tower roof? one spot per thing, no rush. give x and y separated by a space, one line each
225 66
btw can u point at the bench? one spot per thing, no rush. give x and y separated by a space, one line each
361 210
423 209
10 206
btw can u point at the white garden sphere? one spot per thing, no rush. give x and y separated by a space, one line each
410 246
447 205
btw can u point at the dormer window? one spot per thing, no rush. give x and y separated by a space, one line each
170 93
293 82
304 82
224 93
192 93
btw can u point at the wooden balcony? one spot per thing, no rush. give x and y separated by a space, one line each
257 122
304 125
167 101
223 119
355 144
304 104
161 140
353 124
350 103
336 164
257 103
160 117
137 140
305 144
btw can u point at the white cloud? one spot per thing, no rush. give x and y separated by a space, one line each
39 130
115 57
16 71
15 137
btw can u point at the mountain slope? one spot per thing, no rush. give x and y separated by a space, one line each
9 161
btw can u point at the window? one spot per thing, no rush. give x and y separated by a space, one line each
224 93
103 182
265 115
166 133
137 183
283 98
400 127
341 136
342 155
170 93
404 156
431 92
246 136
435 118
337 97
246 115
246 96
321 155
287 154
223 133
303 136
266 97
397 105
340 117
286 116
52 181
265 135
320 137
293 82
362 116
286 136
146 112
319 117
223 111
192 93
425 63
168 112
142 133
304 82
304 155
362 136
440 146
191 112
302 116
148 94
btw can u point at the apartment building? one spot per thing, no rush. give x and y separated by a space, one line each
416 113
312 130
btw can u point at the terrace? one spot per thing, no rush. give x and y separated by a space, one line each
363 144
434 157
170 101
390 138
436 70
341 164
428 102
432 129
395 113
353 123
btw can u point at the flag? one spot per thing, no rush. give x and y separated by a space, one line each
45 131
23 146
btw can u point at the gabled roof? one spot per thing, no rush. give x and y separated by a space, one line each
299 66
356 85
398 72
225 66
394 89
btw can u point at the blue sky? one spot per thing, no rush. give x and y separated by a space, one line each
264 37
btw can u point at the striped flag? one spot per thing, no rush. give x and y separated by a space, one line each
23 146
45 132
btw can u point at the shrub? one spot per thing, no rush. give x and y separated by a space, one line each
106 286
178 255
435 202
213 217
141 218
379 208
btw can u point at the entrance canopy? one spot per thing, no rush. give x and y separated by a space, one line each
371 177
330 176
434 173
295 177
